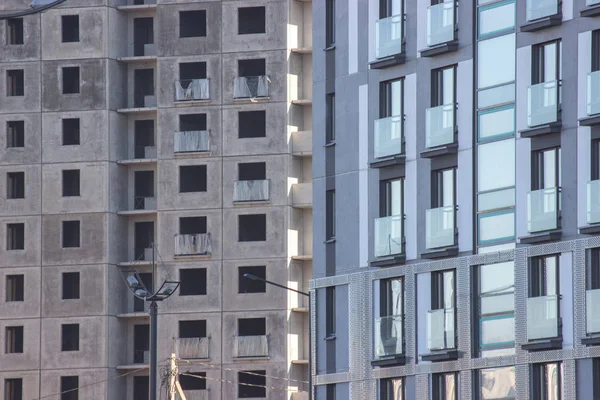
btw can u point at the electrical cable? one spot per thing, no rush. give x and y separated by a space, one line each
238 370
91 384
239 383
32 10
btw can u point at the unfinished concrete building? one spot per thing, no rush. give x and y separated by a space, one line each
173 130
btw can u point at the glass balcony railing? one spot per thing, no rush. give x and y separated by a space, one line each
592 306
440 23
439 227
388 36
388 136
593 92
388 236
541 8
388 336
439 125
542 317
542 103
440 329
593 202
542 210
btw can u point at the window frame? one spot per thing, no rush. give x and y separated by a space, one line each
330 118
437 188
245 236
65 34
15 134
330 217
330 17
538 62
438 385
330 312
190 286
15 32
15 288
538 167
72 344
192 33
15 83
437 87
68 88
15 185
539 382
14 338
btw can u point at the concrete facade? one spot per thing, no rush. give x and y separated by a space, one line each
347 363
125 133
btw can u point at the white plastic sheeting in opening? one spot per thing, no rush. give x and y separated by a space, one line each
192 89
245 87
251 346
257 190
191 141
197 244
192 348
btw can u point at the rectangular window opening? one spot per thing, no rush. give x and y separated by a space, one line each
192 122
252 124
252 228
248 285
70 337
15 134
15 82
71 234
13 389
192 225
192 70
251 20
330 311
69 387
15 185
70 285
14 339
70 183
252 327
252 384
70 28
193 282
330 214
195 382
252 171
330 118
192 329
14 31
15 236
15 288
192 178
70 80
192 23
70 131
252 67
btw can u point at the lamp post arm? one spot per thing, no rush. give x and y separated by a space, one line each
32 10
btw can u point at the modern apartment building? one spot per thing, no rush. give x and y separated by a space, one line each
169 132
456 180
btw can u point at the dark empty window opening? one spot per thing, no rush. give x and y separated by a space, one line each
247 285
70 285
192 178
251 20
13 389
143 139
15 236
70 131
70 28
69 386
192 329
14 31
14 339
143 34
70 337
193 282
15 185
330 23
252 124
252 327
70 234
15 288
192 225
191 71
252 171
253 67
70 183
15 134
330 311
192 122
70 80
143 88
330 118
195 382
330 214
252 228
192 23
15 82
252 384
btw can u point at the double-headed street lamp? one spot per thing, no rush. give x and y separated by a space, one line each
136 285
36 6
256 278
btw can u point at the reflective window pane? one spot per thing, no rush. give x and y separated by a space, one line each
496 61
498 383
496 226
496 165
496 123
497 95
498 304
496 200
496 18
497 277
497 331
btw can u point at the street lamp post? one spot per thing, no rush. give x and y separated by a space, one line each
139 290
256 278
37 6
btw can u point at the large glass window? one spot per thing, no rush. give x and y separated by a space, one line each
495 307
543 276
442 188
444 386
497 383
496 61
546 169
546 381
496 122
389 326
546 62
392 197
391 389
391 98
496 18
496 226
443 290
442 92
496 165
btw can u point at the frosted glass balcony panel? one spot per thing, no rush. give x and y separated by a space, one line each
542 317
593 202
388 336
439 125
388 36
542 210
388 236
542 103
440 23
593 92
388 136
541 8
439 227
592 305
440 329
